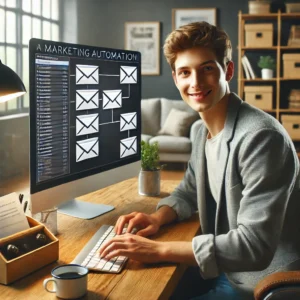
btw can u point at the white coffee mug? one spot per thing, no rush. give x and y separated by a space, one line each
70 281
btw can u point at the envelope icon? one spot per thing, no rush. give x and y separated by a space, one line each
87 99
128 74
87 149
87 124
112 99
128 121
87 74
128 147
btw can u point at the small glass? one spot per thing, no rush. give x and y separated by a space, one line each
48 218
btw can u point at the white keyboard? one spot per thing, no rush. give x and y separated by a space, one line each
89 255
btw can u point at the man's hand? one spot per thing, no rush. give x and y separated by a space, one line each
147 251
145 224
133 246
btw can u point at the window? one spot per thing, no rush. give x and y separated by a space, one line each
20 20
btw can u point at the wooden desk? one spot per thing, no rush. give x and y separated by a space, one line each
137 280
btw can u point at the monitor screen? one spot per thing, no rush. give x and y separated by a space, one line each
85 118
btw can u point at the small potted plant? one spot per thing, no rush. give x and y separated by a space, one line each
149 176
267 64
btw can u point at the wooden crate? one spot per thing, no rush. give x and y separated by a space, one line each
291 65
292 7
292 125
260 96
259 35
259 7
11 270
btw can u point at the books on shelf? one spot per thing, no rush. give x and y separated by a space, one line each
249 73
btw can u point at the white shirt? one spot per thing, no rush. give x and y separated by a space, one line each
212 153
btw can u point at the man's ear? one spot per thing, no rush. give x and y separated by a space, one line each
230 70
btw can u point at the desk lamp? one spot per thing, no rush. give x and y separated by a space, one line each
11 86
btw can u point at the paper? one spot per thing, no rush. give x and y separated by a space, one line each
12 217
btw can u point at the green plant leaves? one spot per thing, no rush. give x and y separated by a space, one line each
150 156
266 62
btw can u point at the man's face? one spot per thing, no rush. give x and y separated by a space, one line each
200 79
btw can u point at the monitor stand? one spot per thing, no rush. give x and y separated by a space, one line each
83 210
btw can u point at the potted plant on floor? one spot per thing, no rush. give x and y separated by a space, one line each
267 64
149 176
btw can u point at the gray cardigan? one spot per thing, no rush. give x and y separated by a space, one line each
254 229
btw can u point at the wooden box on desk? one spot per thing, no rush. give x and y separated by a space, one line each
259 34
11 270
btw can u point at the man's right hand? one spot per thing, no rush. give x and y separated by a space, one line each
144 223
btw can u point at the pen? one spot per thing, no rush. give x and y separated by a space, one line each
21 196
25 206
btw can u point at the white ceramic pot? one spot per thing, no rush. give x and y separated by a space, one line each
266 73
149 183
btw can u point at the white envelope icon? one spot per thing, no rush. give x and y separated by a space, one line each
128 147
87 149
87 124
112 99
87 99
128 74
87 74
128 121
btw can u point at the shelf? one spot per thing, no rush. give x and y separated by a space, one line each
269 110
287 79
290 47
281 85
260 48
290 15
259 16
289 110
258 80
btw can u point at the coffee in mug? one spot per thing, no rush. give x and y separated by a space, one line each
70 281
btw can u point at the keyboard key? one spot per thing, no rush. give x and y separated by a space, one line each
91 259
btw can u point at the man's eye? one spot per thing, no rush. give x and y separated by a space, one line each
184 73
208 68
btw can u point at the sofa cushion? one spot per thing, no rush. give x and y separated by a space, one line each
167 105
178 123
146 138
172 144
150 109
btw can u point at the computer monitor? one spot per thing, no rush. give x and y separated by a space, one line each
85 123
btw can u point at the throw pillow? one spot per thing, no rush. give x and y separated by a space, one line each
178 123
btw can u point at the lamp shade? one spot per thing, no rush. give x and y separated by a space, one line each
11 85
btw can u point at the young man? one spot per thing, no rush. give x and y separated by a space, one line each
243 178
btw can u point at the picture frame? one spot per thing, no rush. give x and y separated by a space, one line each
183 16
145 38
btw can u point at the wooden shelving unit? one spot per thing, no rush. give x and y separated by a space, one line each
280 32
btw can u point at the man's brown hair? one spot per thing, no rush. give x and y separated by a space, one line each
198 34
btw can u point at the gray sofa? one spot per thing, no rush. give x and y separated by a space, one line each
155 112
